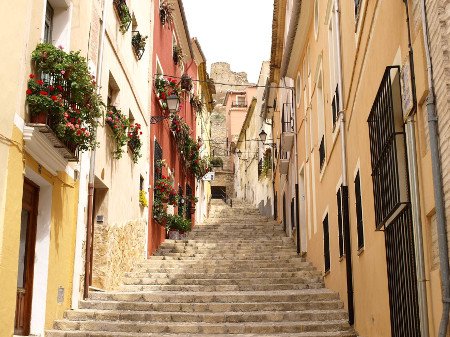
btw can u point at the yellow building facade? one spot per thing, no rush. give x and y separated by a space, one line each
359 172
39 185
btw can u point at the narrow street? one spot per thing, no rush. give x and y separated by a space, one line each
236 274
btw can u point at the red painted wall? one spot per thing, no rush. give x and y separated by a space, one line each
162 51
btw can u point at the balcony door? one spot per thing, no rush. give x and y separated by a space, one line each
28 222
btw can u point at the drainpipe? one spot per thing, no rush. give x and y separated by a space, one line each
437 179
90 205
415 197
344 194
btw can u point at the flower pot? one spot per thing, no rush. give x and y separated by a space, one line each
174 234
40 118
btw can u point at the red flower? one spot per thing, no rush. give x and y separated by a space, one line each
44 93
140 133
163 95
29 92
51 88
60 88
40 82
32 75
54 98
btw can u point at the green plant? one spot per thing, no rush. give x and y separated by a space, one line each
266 164
196 103
67 93
164 190
138 42
134 141
177 222
143 198
186 82
159 212
216 162
124 15
164 88
166 13
119 124
178 55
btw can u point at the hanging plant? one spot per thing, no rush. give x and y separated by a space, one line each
134 141
143 198
177 55
166 13
186 82
164 88
119 124
138 42
124 15
196 103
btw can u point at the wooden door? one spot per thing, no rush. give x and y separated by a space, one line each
30 201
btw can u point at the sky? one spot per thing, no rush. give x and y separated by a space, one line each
238 32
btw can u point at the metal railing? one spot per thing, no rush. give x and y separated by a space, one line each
239 104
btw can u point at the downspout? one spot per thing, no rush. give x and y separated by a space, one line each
344 194
415 196
90 205
437 179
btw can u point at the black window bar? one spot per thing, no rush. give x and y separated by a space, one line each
359 217
340 227
260 166
326 244
188 201
157 164
287 120
180 201
387 149
138 42
335 106
322 152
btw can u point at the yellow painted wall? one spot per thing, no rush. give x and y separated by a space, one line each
10 236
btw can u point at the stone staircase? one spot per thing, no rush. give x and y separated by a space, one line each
236 275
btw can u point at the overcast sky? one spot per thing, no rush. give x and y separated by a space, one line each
234 31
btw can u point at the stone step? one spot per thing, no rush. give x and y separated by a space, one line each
59 333
205 328
206 317
219 297
225 281
331 304
144 272
221 287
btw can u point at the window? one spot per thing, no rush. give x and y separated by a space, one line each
320 121
113 91
333 54
357 9
298 89
48 26
326 244
316 19
340 227
359 215
240 101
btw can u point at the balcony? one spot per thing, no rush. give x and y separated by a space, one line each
284 163
388 151
44 127
287 127
239 105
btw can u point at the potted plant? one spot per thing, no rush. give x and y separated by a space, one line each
124 15
216 162
159 211
166 13
177 226
186 82
64 96
164 88
196 103
177 55
138 42
119 124
143 202
134 141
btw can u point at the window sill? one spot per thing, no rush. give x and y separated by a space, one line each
360 251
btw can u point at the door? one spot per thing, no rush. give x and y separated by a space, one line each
28 222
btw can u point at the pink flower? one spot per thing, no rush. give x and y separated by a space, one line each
63 72
77 126
61 47
66 115
86 133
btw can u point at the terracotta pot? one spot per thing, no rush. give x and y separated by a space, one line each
40 118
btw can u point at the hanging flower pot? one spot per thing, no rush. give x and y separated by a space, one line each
186 82
40 118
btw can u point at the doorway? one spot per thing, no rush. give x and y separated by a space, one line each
28 225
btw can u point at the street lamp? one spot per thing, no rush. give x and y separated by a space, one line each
239 153
263 136
173 103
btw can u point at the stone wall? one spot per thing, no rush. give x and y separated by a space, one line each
116 249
